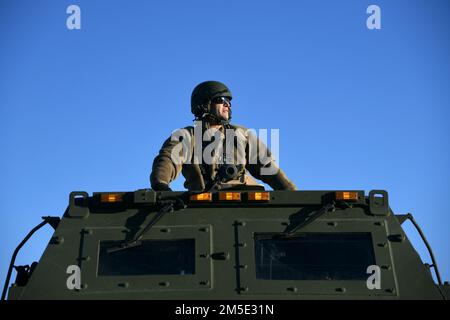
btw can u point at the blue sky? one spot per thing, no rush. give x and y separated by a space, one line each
357 108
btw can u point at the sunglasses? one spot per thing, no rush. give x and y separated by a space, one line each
222 100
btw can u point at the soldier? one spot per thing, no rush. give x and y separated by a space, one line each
229 162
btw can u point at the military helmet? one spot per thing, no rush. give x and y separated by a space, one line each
204 92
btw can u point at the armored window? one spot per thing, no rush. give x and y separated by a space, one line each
153 257
313 256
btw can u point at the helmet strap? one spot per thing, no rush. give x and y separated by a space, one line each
213 118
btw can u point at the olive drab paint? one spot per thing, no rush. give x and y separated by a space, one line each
230 245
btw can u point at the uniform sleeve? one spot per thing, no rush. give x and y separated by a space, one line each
262 165
168 163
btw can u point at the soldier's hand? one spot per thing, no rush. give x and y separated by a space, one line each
161 186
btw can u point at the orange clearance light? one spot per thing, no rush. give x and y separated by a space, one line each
111 197
207 196
258 196
347 195
229 196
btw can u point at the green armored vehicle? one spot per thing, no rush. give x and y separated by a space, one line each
233 244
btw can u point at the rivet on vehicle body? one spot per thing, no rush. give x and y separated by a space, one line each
87 258
240 223
57 240
396 237
342 290
204 283
220 256
87 231
206 229
242 244
243 266
84 286
165 230
292 289
124 285
332 224
164 284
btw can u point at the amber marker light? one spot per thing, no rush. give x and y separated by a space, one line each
111 197
347 195
207 196
258 196
229 196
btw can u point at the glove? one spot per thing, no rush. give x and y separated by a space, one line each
161 186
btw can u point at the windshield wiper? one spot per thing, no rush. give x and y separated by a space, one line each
169 205
310 217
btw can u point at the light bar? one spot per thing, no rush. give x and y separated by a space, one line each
207 196
258 196
229 196
347 195
111 197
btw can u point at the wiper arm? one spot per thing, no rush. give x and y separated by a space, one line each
310 217
168 206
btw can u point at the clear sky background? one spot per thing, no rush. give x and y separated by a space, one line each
357 108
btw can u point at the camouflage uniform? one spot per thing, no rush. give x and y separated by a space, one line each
200 175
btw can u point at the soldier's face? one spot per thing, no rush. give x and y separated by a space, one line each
222 109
